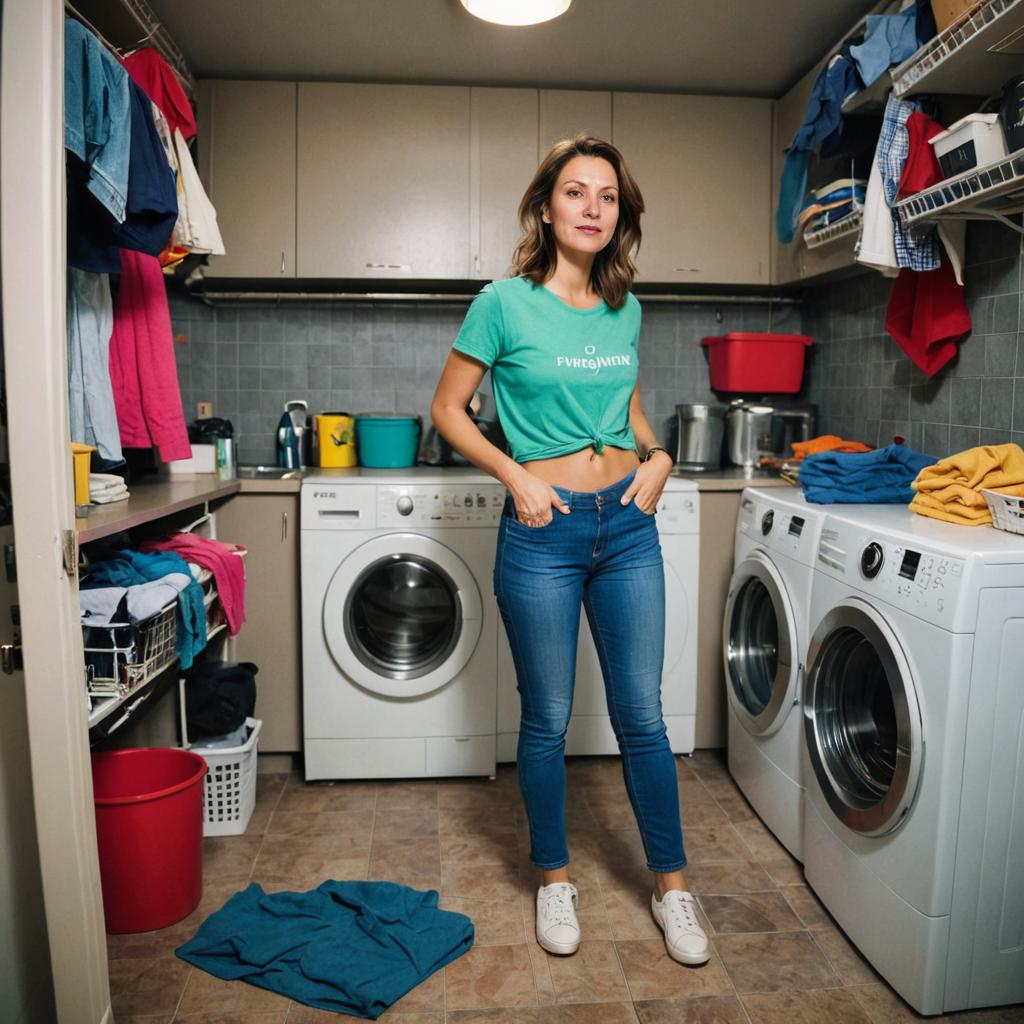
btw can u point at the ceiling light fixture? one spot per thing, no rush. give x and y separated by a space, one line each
516 12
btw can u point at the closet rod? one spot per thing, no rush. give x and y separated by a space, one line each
215 298
155 35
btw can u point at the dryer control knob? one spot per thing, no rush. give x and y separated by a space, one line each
766 522
404 505
871 559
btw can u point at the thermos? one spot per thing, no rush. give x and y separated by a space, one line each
287 442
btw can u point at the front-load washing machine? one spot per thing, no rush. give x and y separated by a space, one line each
913 715
764 646
590 729
399 622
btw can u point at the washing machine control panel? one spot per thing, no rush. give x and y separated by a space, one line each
440 505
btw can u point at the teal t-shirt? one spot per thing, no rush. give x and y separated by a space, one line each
562 377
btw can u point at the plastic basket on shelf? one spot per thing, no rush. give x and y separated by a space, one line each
1007 511
229 794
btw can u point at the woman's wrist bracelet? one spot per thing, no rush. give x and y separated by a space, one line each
651 451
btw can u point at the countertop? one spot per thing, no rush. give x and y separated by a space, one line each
150 501
732 478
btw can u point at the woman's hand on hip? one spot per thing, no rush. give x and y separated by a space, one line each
649 482
534 500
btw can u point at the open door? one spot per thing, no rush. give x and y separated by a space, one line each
32 277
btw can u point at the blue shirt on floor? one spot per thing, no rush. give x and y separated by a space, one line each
350 947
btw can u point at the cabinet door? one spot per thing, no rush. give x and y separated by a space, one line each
247 161
268 525
564 112
702 163
383 181
504 159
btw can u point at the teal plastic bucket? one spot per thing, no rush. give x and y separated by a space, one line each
387 442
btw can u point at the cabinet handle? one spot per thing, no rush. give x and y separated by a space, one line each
284 527
282 261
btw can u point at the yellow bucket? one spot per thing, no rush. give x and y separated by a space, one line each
336 439
80 456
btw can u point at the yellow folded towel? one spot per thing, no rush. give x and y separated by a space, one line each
950 490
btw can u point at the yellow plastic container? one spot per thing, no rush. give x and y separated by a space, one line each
336 439
80 454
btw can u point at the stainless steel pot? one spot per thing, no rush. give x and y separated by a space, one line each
748 429
699 435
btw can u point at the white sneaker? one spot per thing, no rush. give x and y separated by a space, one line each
558 931
676 915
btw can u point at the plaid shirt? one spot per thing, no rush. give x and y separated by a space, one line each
917 247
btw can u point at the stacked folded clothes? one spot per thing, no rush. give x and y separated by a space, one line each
107 487
826 443
832 202
951 489
882 476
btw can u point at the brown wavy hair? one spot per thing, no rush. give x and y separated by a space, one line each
534 255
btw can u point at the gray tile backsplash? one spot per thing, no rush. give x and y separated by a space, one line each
248 360
867 389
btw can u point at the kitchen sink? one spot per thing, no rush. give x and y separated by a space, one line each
268 473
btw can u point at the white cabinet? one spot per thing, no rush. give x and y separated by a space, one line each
383 181
247 163
504 159
703 165
564 112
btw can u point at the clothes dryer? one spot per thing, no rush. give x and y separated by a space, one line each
764 649
913 714
590 729
399 622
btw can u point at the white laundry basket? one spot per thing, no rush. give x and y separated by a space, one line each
229 793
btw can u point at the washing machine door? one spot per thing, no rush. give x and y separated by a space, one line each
862 721
759 646
402 615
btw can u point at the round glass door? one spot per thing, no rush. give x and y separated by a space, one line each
759 640
861 720
402 615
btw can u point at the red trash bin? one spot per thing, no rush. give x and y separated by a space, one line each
149 830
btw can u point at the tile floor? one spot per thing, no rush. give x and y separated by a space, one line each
778 958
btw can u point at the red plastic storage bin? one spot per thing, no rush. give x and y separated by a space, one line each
763 364
149 830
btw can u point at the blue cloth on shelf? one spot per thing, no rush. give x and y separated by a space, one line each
881 476
822 127
349 947
127 568
889 39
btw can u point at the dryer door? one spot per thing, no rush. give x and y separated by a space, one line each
759 646
862 722
402 615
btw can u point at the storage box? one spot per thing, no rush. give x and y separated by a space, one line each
761 364
948 11
974 141
204 460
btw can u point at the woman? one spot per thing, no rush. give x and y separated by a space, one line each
560 339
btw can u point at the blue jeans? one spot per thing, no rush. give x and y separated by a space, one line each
605 557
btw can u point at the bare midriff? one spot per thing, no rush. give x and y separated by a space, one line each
585 470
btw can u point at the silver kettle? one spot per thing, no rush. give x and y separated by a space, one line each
748 431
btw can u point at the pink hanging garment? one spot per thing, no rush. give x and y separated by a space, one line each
227 567
143 372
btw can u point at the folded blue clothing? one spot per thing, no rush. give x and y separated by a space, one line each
127 568
350 947
881 476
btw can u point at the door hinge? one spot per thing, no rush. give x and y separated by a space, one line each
69 551
10 658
